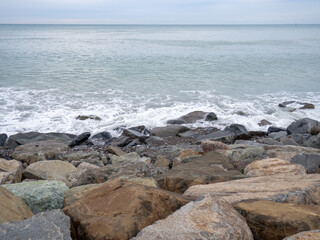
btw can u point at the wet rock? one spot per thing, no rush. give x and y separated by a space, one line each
220 136
305 125
285 188
47 225
119 210
168 131
116 151
10 171
310 162
80 139
30 137
294 105
239 131
39 196
49 170
3 138
133 134
307 235
209 146
272 166
101 138
273 129
12 208
211 117
85 117
264 122
210 168
37 151
192 117
277 135
272 221
122 141
206 218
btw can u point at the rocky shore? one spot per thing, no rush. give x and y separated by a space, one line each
170 182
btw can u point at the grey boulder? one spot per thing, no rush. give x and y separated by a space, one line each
305 125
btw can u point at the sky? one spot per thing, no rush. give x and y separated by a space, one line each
160 11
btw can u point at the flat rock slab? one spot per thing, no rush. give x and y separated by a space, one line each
210 168
272 221
299 189
10 171
37 151
307 235
40 196
206 218
53 225
168 131
12 208
119 210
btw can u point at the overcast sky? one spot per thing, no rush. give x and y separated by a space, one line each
160 11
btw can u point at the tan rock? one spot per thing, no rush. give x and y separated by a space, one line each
85 166
162 161
308 235
272 221
37 151
208 218
151 182
12 208
119 210
49 170
12 171
272 166
209 145
116 151
299 189
74 194
188 153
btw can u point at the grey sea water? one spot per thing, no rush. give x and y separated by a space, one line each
130 75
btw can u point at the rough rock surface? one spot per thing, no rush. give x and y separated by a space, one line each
74 194
305 125
53 225
307 235
273 221
37 151
119 210
10 171
40 195
3 138
272 166
209 146
311 162
93 157
206 218
12 208
49 170
210 168
168 131
299 189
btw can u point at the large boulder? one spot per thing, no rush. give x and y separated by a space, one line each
49 170
209 146
3 138
299 189
53 225
311 162
192 117
272 166
37 151
30 137
307 235
12 208
74 194
168 131
39 195
210 168
305 125
206 218
272 221
119 210
93 157
292 106
10 171
239 131
101 138
80 139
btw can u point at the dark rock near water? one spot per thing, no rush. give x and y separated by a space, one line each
278 135
275 129
192 117
122 141
264 123
222 136
257 134
101 138
305 125
168 131
46 225
92 117
300 105
311 162
211 117
80 139
152 140
239 131
3 138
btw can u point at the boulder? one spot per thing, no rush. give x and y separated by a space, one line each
305 125
191 117
37 151
91 117
272 166
39 196
30 137
278 135
116 151
93 157
134 134
272 221
74 194
209 146
239 131
307 235
3 138
310 162
273 129
49 170
12 208
313 141
122 141
162 161
220 136
294 105
212 167
205 218
10 171
153 140
211 117
168 131
264 122
80 139
285 188
52 225
119 209
101 138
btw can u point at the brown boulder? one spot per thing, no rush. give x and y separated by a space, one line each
274 221
74 194
119 209
308 235
210 168
209 145
12 208
10 171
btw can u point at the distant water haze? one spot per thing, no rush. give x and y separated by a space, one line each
147 74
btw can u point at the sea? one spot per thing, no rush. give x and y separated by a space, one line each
131 75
